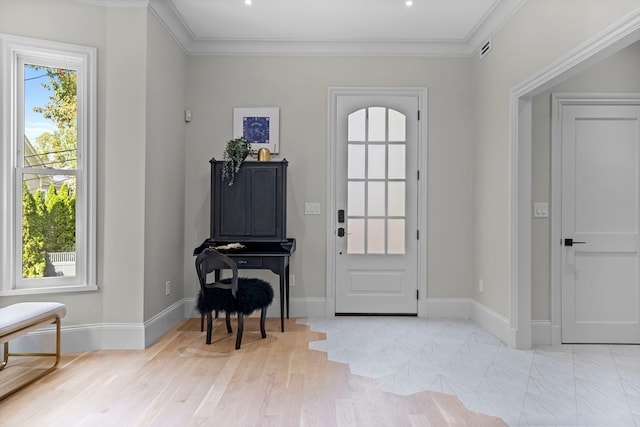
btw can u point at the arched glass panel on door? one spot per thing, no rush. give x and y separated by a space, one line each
376 187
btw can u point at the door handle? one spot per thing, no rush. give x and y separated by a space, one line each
571 242
340 232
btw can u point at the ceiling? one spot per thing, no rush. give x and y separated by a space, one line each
333 27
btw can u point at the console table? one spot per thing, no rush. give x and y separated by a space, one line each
263 256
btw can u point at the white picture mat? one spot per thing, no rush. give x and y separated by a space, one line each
259 115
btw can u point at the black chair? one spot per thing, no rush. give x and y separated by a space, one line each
231 295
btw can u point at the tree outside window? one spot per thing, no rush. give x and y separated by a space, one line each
48 180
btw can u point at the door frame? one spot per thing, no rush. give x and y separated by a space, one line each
611 40
560 100
333 94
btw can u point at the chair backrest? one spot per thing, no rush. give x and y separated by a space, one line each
210 260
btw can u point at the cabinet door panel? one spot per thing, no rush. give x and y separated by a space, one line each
264 201
235 202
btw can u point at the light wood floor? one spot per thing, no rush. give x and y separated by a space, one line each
180 381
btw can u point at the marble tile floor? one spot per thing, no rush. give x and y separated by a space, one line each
567 385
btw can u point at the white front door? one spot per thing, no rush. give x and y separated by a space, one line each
600 215
376 202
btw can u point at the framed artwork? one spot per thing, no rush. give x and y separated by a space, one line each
261 126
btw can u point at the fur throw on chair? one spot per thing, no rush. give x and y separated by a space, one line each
252 294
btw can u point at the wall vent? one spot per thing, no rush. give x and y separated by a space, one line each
486 47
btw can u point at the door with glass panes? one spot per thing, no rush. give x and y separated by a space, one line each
376 198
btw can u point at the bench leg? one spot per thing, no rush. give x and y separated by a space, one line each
5 360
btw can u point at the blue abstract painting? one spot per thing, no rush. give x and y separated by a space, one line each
256 129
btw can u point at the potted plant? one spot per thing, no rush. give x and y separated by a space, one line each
235 152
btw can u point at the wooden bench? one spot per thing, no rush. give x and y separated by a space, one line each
21 318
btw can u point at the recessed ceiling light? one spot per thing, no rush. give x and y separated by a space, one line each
409 3
247 2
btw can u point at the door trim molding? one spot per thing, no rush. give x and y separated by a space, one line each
558 101
333 93
613 39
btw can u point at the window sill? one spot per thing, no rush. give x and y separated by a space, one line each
51 290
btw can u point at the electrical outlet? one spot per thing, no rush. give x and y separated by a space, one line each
481 285
292 280
167 287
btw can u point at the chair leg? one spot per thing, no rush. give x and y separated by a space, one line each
228 318
263 317
209 327
240 329
202 321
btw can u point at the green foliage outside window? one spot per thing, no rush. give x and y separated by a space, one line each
62 109
48 225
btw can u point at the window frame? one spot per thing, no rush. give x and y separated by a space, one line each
14 50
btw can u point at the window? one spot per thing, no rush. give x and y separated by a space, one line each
376 181
47 166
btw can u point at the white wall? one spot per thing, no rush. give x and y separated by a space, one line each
299 86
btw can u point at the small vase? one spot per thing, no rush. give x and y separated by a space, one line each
264 155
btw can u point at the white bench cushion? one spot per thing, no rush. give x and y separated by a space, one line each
23 314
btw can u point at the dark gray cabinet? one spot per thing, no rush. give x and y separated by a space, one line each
254 208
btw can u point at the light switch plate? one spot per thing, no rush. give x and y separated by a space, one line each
312 208
541 210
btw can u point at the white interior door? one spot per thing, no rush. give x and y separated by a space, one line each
600 196
376 201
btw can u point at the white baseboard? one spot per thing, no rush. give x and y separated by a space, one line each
544 333
122 336
466 308
136 336
81 338
540 332
492 321
105 336
306 307
556 335
155 327
446 308
190 310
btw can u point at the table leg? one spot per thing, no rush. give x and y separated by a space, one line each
282 302
286 275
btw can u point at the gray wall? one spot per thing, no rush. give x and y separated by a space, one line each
299 86
164 170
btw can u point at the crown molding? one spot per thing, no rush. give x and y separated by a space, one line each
170 18
326 48
117 3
